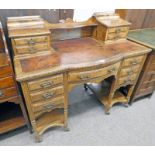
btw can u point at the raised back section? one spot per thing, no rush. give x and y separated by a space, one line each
71 30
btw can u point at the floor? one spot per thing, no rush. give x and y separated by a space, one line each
89 125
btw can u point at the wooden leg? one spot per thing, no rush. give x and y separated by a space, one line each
38 138
85 87
107 110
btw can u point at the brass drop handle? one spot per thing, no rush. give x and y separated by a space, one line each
32 50
1 94
127 80
84 76
118 30
130 72
46 84
31 42
134 62
111 70
48 95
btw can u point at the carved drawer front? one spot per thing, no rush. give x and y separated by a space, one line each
145 91
5 71
118 29
127 79
90 74
6 82
47 95
31 41
151 67
129 71
46 106
149 77
8 92
45 83
148 85
32 49
132 61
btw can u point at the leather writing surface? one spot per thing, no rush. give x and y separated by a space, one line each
78 51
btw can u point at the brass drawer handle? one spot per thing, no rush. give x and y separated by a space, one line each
1 94
32 50
118 30
130 72
111 70
84 76
46 84
127 81
31 42
48 107
134 62
48 95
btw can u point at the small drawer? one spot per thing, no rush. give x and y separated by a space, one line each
47 106
132 61
6 82
31 41
5 71
148 85
45 83
32 49
46 95
7 93
129 71
150 77
90 74
127 80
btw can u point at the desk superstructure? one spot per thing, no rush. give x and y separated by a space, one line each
50 59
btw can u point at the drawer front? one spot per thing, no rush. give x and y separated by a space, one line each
127 79
5 71
86 75
132 61
149 78
32 49
47 95
118 29
112 36
48 105
45 83
6 82
148 85
151 67
31 41
7 93
129 71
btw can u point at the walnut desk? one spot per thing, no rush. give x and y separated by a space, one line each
73 56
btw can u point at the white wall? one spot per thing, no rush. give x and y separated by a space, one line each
83 14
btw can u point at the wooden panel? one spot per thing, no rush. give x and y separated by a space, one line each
6 93
5 71
149 19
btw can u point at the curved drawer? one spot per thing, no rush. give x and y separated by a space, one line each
77 76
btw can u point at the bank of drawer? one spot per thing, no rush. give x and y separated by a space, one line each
31 40
45 83
5 71
47 95
6 82
112 36
46 106
132 61
127 79
129 71
32 49
86 75
118 29
8 92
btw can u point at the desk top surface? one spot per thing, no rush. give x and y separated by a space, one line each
76 53
143 36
